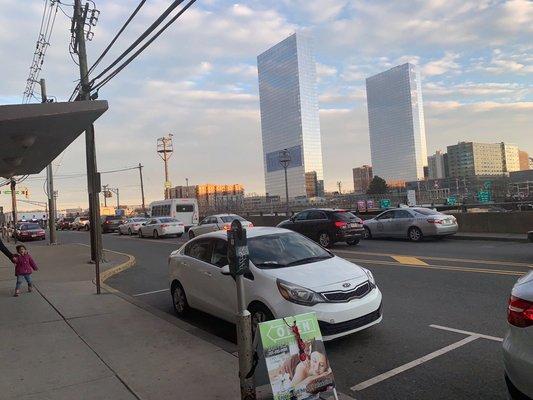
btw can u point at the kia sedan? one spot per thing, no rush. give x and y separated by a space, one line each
160 227
288 274
411 223
518 342
131 226
216 223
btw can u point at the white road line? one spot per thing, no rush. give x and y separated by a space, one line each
445 328
152 292
412 364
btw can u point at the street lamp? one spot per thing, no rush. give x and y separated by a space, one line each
285 160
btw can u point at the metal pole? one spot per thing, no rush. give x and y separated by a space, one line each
118 200
187 185
286 193
244 342
90 148
14 206
50 180
142 188
105 193
165 159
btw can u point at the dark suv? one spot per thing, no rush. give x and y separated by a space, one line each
326 226
110 223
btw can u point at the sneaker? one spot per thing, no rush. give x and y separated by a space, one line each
30 288
17 292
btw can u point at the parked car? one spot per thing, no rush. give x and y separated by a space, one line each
81 223
288 274
216 223
131 226
518 342
157 227
412 223
64 223
326 226
30 231
110 223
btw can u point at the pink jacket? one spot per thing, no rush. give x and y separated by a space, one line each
24 265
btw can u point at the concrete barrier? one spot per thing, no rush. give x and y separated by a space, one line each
490 222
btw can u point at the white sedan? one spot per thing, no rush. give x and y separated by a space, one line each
289 274
131 226
159 227
518 343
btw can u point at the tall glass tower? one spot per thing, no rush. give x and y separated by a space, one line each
396 124
289 117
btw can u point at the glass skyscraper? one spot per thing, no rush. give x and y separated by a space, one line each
289 117
396 124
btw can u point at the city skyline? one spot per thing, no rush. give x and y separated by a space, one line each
473 60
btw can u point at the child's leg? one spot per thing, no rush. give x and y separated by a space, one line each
17 287
28 280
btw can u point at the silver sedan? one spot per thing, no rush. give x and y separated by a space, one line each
131 226
411 223
216 223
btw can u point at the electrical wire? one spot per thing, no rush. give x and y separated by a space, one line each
140 50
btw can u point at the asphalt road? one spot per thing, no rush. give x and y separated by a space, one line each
444 313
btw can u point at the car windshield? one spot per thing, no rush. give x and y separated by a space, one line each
230 218
284 250
426 211
344 216
28 227
84 219
166 220
138 219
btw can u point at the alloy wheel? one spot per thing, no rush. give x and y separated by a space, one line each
324 239
415 235
180 302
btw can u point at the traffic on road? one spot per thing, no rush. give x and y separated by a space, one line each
398 311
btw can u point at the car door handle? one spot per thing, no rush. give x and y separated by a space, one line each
208 273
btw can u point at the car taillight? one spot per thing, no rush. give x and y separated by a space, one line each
434 221
107 222
250 225
520 312
341 224
164 225
226 227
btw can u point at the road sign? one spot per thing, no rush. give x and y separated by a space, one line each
483 196
411 198
384 203
451 200
487 185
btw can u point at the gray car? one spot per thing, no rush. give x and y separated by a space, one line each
412 223
216 223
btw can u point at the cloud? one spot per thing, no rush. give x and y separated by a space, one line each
441 66
324 71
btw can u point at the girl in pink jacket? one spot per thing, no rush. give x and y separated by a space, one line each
24 266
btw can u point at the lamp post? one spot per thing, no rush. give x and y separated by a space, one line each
285 160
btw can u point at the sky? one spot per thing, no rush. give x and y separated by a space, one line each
198 81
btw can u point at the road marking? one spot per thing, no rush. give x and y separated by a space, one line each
465 260
409 260
161 241
440 267
445 328
412 364
152 292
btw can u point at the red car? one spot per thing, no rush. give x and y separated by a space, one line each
30 231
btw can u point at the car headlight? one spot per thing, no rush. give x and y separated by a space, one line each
370 276
298 294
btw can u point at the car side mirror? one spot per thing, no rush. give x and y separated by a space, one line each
225 270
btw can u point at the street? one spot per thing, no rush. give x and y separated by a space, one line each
444 313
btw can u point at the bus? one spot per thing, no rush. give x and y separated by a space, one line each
184 210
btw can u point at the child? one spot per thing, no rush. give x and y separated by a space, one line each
24 266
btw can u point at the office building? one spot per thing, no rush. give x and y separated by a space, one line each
396 124
480 159
523 160
362 176
510 157
289 117
437 165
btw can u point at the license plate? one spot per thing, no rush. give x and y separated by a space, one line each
355 225
33 235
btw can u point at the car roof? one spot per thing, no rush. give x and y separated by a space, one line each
250 232
327 209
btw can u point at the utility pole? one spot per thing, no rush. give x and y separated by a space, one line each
118 200
339 185
93 177
104 187
285 160
50 182
187 186
165 150
13 185
142 189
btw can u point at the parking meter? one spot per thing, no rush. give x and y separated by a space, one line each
238 257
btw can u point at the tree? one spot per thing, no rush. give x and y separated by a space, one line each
377 186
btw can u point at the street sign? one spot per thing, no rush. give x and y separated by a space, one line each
384 203
487 185
411 198
483 196
451 200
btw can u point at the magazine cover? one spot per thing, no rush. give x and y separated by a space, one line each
296 360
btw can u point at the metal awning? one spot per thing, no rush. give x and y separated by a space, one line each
32 135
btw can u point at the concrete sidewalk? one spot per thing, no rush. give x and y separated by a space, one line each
65 342
503 237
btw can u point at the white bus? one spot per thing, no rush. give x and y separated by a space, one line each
184 210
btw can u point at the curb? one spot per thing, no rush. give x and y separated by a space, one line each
489 238
105 275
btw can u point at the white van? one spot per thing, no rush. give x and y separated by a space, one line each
184 210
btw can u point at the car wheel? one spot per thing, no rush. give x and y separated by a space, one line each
179 299
130 232
191 234
141 233
324 239
87 227
414 234
352 242
179 235
120 231
259 313
367 234
155 234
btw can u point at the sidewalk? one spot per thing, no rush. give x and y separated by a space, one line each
504 237
65 342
